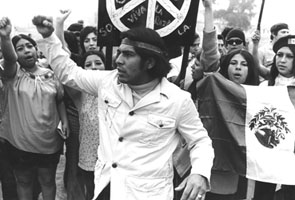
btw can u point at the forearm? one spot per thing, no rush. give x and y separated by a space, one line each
199 143
9 56
66 69
208 18
262 70
62 112
8 51
59 31
210 55
202 155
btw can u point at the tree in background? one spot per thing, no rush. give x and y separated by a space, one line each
238 14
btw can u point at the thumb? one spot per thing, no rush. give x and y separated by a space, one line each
181 186
47 23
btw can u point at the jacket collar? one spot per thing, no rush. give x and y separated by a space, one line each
162 90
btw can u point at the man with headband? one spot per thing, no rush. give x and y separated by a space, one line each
141 118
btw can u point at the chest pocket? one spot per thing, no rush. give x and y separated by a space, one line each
158 129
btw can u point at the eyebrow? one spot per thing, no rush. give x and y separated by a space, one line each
23 44
126 50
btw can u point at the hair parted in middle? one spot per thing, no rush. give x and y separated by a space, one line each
252 78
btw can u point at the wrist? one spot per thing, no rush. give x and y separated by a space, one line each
5 37
46 35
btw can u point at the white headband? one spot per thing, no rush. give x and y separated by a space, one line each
142 45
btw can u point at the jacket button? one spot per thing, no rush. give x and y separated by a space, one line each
131 113
121 139
106 101
114 165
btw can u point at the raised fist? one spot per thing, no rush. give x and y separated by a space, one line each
5 27
44 25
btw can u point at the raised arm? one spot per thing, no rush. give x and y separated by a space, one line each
262 70
44 25
208 16
59 28
9 54
210 55
65 68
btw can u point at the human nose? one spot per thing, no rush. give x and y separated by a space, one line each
26 49
93 66
118 59
283 59
197 49
238 66
92 42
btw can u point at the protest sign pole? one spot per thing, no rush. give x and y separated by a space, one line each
186 50
260 15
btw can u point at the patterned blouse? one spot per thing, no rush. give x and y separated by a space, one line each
32 99
89 135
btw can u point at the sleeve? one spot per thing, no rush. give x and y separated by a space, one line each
198 141
66 69
210 55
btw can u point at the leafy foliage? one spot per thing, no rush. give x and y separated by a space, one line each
271 117
269 126
238 14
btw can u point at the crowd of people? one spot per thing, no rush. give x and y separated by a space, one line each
132 130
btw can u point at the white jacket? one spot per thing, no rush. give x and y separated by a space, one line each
136 142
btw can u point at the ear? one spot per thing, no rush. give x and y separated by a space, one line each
150 63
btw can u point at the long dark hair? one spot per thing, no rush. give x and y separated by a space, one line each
83 34
274 70
252 77
72 41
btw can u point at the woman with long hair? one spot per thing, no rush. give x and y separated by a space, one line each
239 67
282 73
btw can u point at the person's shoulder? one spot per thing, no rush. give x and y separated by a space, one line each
173 91
107 77
264 83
